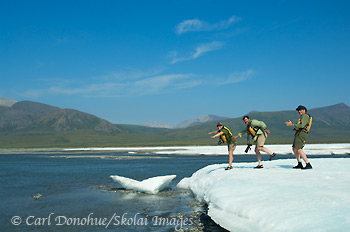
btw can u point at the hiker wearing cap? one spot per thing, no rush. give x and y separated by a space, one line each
225 137
258 132
302 128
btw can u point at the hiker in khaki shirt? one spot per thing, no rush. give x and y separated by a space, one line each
225 133
257 130
302 128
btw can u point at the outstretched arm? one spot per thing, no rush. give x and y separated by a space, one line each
212 132
240 133
289 123
217 135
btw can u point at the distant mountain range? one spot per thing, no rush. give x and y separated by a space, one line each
156 124
6 102
33 124
28 117
185 124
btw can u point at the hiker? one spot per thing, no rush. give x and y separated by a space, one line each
302 128
258 132
225 136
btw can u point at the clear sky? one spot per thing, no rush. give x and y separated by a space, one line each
169 61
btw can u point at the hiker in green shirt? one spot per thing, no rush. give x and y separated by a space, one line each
302 128
258 132
225 137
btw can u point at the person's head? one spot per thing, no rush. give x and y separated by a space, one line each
246 119
219 125
301 110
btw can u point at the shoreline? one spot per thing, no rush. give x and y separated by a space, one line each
280 149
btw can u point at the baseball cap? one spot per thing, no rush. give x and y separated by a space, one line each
301 108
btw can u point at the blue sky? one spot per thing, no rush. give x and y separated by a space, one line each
169 61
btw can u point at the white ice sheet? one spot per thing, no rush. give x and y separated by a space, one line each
277 197
310 149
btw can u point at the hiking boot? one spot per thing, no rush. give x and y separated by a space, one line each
298 166
272 156
308 166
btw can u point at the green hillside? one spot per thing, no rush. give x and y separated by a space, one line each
70 128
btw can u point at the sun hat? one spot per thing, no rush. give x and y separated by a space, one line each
300 107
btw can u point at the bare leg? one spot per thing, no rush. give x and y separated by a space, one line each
303 155
258 155
264 149
230 158
297 155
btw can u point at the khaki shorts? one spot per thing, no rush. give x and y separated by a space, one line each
232 146
300 139
260 142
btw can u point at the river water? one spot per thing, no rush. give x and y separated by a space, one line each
78 195
75 192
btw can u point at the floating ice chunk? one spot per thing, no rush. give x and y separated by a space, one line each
277 197
151 185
